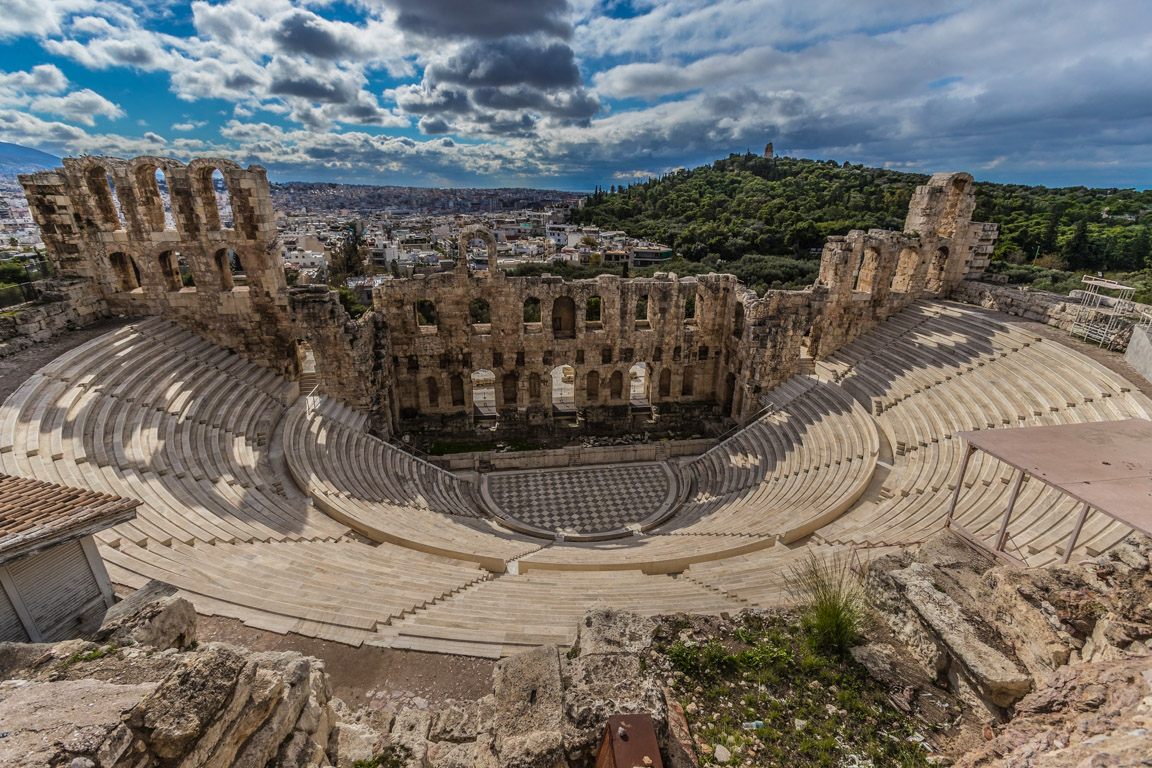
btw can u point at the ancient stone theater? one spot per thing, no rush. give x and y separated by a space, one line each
271 438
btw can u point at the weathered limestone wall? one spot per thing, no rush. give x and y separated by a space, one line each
103 220
70 305
1042 306
572 456
1139 353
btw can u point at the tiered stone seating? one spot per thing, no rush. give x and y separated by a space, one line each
506 614
342 591
153 412
389 495
992 376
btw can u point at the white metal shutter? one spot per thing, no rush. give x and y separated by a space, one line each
56 586
11 628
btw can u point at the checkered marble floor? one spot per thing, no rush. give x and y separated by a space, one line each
587 500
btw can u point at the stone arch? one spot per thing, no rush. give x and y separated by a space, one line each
639 382
866 271
169 271
203 188
509 390
688 382
958 190
592 386
432 389
665 382
593 309
101 188
222 261
531 310
564 318
125 271
483 394
480 312
616 385
729 394
456 389
152 200
476 232
906 265
563 379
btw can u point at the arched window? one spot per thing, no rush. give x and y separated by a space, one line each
432 387
187 279
564 318
125 271
642 311
729 393
215 198
638 387
688 383
480 312
592 310
666 382
690 308
905 270
563 389
103 192
738 321
866 273
508 389
592 386
456 384
483 394
223 262
616 385
425 313
534 387
169 271
531 310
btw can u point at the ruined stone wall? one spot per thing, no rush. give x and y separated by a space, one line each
103 220
68 305
687 357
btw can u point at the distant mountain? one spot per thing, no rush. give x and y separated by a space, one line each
17 159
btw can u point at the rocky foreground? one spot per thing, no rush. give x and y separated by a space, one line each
1042 667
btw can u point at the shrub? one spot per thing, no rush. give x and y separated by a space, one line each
833 605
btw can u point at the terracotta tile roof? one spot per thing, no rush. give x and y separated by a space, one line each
34 513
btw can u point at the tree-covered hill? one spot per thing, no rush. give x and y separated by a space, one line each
747 204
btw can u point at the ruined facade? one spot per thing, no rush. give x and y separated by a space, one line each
464 349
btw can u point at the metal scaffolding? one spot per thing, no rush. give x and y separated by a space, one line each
1100 317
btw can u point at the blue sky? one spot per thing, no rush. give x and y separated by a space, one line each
574 93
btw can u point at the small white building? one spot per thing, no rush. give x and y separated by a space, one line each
53 585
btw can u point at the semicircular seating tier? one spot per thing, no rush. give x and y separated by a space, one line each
285 513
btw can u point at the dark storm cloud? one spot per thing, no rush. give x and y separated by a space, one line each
433 126
513 61
483 19
305 33
441 101
310 89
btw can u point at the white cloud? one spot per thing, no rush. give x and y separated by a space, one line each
82 106
190 125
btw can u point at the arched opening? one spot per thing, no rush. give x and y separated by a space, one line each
688 383
564 318
690 308
154 198
480 312
729 394
642 311
948 219
456 385
169 271
638 385
103 192
592 310
510 390
905 270
425 313
222 199
563 390
666 383
866 272
125 271
223 263
483 394
939 266
738 321
469 255
676 352
616 386
592 386
533 387
305 360
186 277
432 387
531 310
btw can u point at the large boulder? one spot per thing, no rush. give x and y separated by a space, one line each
151 616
